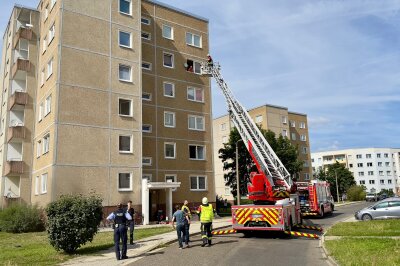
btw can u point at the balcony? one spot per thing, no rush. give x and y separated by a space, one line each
23 33
18 98
13 168
16 133
21 65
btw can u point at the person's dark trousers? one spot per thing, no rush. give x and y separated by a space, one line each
131 229
180 230
187 226
120 233
206 235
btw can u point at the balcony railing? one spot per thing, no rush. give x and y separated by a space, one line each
18 98
23 33
22 65
16 132
13 167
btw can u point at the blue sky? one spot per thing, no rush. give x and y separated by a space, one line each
336 61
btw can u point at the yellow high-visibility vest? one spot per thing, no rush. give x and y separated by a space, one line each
206 213
186 209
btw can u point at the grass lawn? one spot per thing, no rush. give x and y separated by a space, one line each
369 228
365 251
34 248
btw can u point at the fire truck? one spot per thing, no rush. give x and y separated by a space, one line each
275 208
315 198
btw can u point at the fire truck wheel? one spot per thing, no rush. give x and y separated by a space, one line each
332 207
247 234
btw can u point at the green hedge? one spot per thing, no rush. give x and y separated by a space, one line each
21 218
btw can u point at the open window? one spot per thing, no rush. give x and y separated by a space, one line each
193 66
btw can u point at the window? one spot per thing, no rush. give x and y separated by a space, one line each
378 155
170 178
303 137
37 185
50 68
125 73
168 32
198 182
305 150
362 182
193 39
146 161
388 173
305 163
293 136
193 66
386 155
52 33
46 143
369 164
125 181
147 176
195 94
146 96
370 172
125 7
223 127
380 172
146 35
42 78
196 152
259 119
146 65
306 176
387 164
350 157
47 109
125 143
389 181
381 205
46 12
169 119
350 165
379 163
145 21
382 182
302 125
41 108
169 89
360 173
368 155
38 148
292 124
359 156
168 60
371 182
125 39
125 107
359 165
169 150
146 128
227 191
43 182
196 122
284 133
44 47
284 119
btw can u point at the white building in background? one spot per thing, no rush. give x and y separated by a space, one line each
375 168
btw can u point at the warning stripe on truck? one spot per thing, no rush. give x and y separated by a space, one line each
294 233
270 215
310 227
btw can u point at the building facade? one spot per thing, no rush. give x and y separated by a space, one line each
115 104
374 168
275 118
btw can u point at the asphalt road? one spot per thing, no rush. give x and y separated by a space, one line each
268 249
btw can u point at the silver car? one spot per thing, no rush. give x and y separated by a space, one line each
385 209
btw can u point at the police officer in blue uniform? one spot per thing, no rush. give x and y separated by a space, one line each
120 218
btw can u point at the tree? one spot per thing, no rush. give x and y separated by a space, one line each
356 193
345 178
73 220
283 148
388 192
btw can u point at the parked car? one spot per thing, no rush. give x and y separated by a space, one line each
382 196
371 197
385 209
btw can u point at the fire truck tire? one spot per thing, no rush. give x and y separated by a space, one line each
332 207
247 234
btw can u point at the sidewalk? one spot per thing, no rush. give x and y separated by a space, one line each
107 257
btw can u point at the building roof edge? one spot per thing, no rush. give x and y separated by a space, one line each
178 10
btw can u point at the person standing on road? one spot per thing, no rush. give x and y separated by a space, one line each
131 223
179 216
120 217
206 217
186 210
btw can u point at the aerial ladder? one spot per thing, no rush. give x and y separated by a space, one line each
273 181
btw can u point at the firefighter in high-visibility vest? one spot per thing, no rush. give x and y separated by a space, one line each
206 217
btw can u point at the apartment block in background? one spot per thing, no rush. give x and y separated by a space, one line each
275 118
110 100
374 168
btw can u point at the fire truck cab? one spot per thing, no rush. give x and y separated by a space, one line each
315 198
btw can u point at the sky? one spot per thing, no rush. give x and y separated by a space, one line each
336 61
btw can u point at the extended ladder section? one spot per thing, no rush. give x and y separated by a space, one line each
265 157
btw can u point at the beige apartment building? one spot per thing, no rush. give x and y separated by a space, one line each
275 118
115 104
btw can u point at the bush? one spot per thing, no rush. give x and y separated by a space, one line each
73 220
356 193
21 218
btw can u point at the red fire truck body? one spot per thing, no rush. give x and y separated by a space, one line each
315 198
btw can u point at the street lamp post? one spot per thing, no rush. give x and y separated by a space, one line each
237 173
337 187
